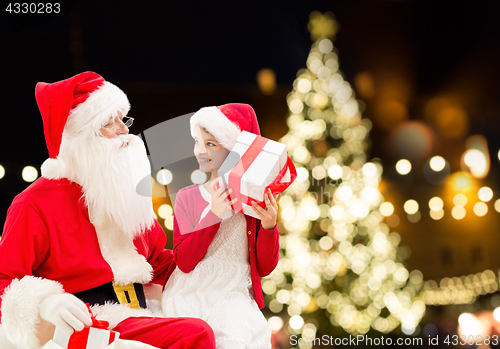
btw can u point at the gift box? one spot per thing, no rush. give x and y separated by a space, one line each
254 165
97 336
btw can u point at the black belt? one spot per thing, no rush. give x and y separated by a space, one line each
131 294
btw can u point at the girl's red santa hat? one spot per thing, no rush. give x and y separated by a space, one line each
78 106
226 122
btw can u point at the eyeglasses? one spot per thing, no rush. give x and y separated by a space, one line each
127 121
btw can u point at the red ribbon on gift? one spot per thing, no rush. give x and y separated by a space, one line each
245 161
237 172
78 340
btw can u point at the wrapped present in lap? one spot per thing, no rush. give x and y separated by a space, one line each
98 336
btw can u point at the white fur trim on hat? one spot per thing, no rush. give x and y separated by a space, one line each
101 105
53 169
20 303
217 124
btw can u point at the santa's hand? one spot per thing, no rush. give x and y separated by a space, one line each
66 312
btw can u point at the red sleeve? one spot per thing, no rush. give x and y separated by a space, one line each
161 259
24 235
267 249
191 246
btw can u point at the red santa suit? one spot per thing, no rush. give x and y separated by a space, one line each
51 245
49 226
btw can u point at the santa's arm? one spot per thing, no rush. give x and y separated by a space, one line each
23 247
191 239
267 249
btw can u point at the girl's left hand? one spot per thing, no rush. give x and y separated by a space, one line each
269 214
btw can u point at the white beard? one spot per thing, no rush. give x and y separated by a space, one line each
109 172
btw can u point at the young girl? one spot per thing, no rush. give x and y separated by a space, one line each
222 254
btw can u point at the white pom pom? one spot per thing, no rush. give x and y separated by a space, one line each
53 169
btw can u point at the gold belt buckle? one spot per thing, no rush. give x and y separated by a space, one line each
126 295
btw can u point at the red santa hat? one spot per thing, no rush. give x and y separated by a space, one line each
86 101
226 122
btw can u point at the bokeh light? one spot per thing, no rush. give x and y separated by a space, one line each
477 162
198 177
164 177
496 314
165 211
403 166
29 174
485 194
436 203
335 172
386 209
365 84
452 122
437 163
304 85
470 325
275 323
169 223
460 200
369 169
2 171
411 206
458 212
480 209
497 205
436 215
477 156
461 181
266 79
296 322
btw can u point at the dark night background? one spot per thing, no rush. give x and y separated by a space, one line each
432 45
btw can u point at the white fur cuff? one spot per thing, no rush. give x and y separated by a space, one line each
20 303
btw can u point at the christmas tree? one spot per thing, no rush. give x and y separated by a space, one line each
339 264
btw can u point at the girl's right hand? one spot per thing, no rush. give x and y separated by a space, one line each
220 203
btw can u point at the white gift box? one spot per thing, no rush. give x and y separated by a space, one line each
259 163
117 344
96 338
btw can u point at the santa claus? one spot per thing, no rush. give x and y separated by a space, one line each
81 233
